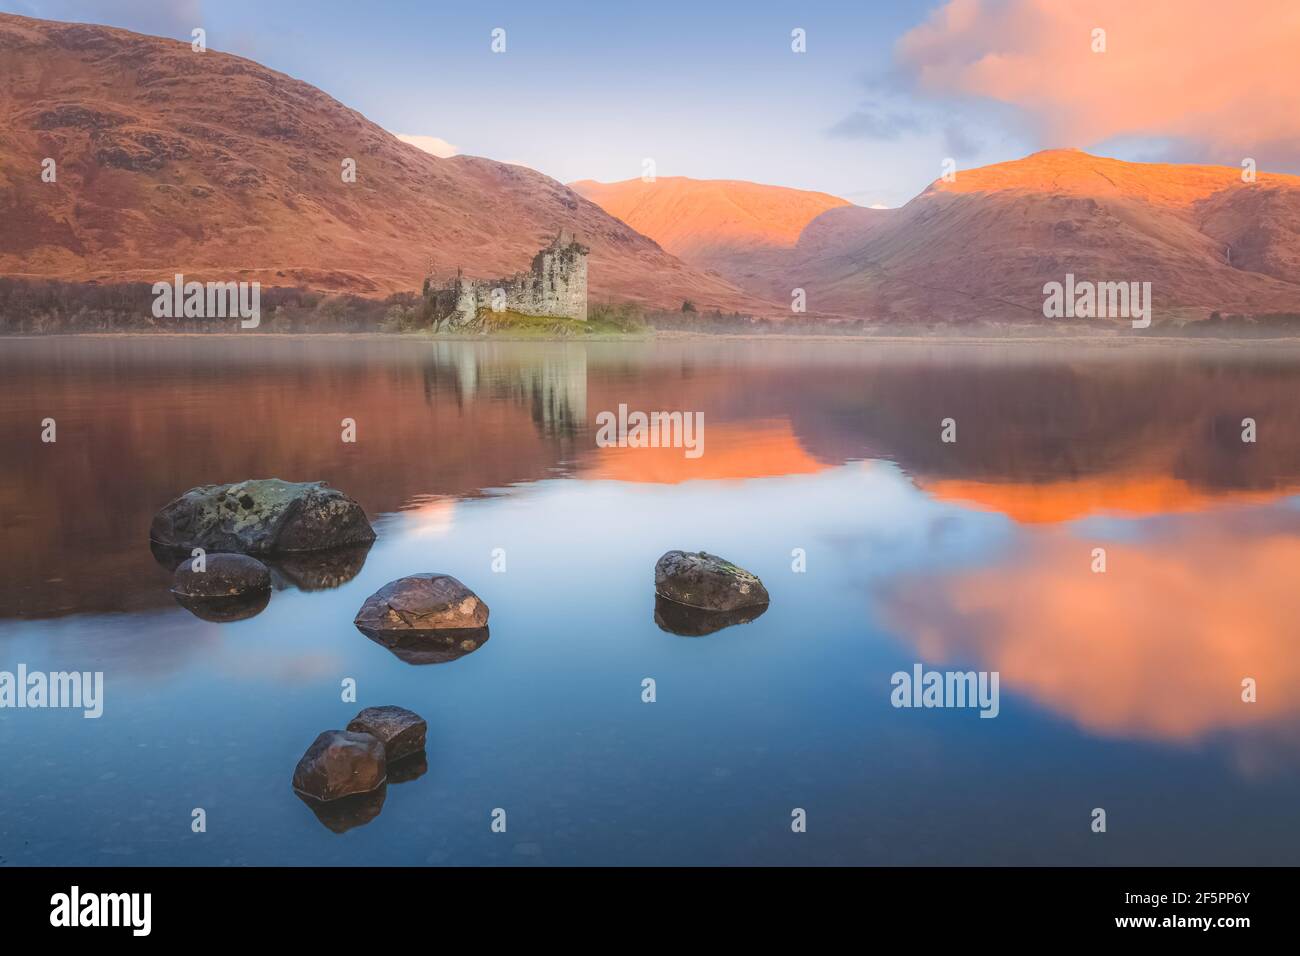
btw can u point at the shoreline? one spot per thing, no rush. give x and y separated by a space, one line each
1104 341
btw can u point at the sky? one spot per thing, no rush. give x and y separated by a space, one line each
883 94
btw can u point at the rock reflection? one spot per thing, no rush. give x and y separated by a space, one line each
225 610
430 646
304 570
1045 437
347 813
411 767
695 622
318 570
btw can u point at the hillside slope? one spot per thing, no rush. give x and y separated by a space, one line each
984 245
736 229
211 165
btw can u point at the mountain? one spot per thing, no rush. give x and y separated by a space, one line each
736 229
984 245
169 160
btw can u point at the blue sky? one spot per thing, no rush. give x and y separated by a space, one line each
588 90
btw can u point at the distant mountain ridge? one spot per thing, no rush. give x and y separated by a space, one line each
210 165
726 226
984 245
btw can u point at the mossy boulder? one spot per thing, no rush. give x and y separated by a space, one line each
262 516
702 580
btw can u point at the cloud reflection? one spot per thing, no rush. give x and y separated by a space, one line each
1155 648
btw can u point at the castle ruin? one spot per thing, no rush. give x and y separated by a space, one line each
554 287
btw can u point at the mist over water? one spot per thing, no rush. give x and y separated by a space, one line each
1118 690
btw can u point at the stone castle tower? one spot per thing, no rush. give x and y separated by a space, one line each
554 287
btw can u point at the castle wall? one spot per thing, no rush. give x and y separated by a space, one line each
555 286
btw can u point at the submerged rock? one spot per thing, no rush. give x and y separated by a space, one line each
261 516
706 581
340 763
422 602
222 575
430 647
401 731
694 622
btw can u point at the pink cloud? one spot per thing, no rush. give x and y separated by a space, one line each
1222 77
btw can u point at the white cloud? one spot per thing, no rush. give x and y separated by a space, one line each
433 145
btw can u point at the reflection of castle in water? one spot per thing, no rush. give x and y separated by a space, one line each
553 385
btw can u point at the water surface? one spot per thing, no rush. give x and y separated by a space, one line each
1119 690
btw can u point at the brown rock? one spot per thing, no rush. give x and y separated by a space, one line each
222 576
401 731
340 763
422 602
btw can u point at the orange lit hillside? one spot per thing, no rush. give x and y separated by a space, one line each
220 168
728 226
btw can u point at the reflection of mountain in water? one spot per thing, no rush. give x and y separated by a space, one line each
144 419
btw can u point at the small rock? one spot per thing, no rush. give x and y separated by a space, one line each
422 602
703 580
223 575
340 763
261 516
401 731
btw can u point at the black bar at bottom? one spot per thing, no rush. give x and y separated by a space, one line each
336 905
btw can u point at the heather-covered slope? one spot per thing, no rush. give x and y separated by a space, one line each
208 164
734 228
984 245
